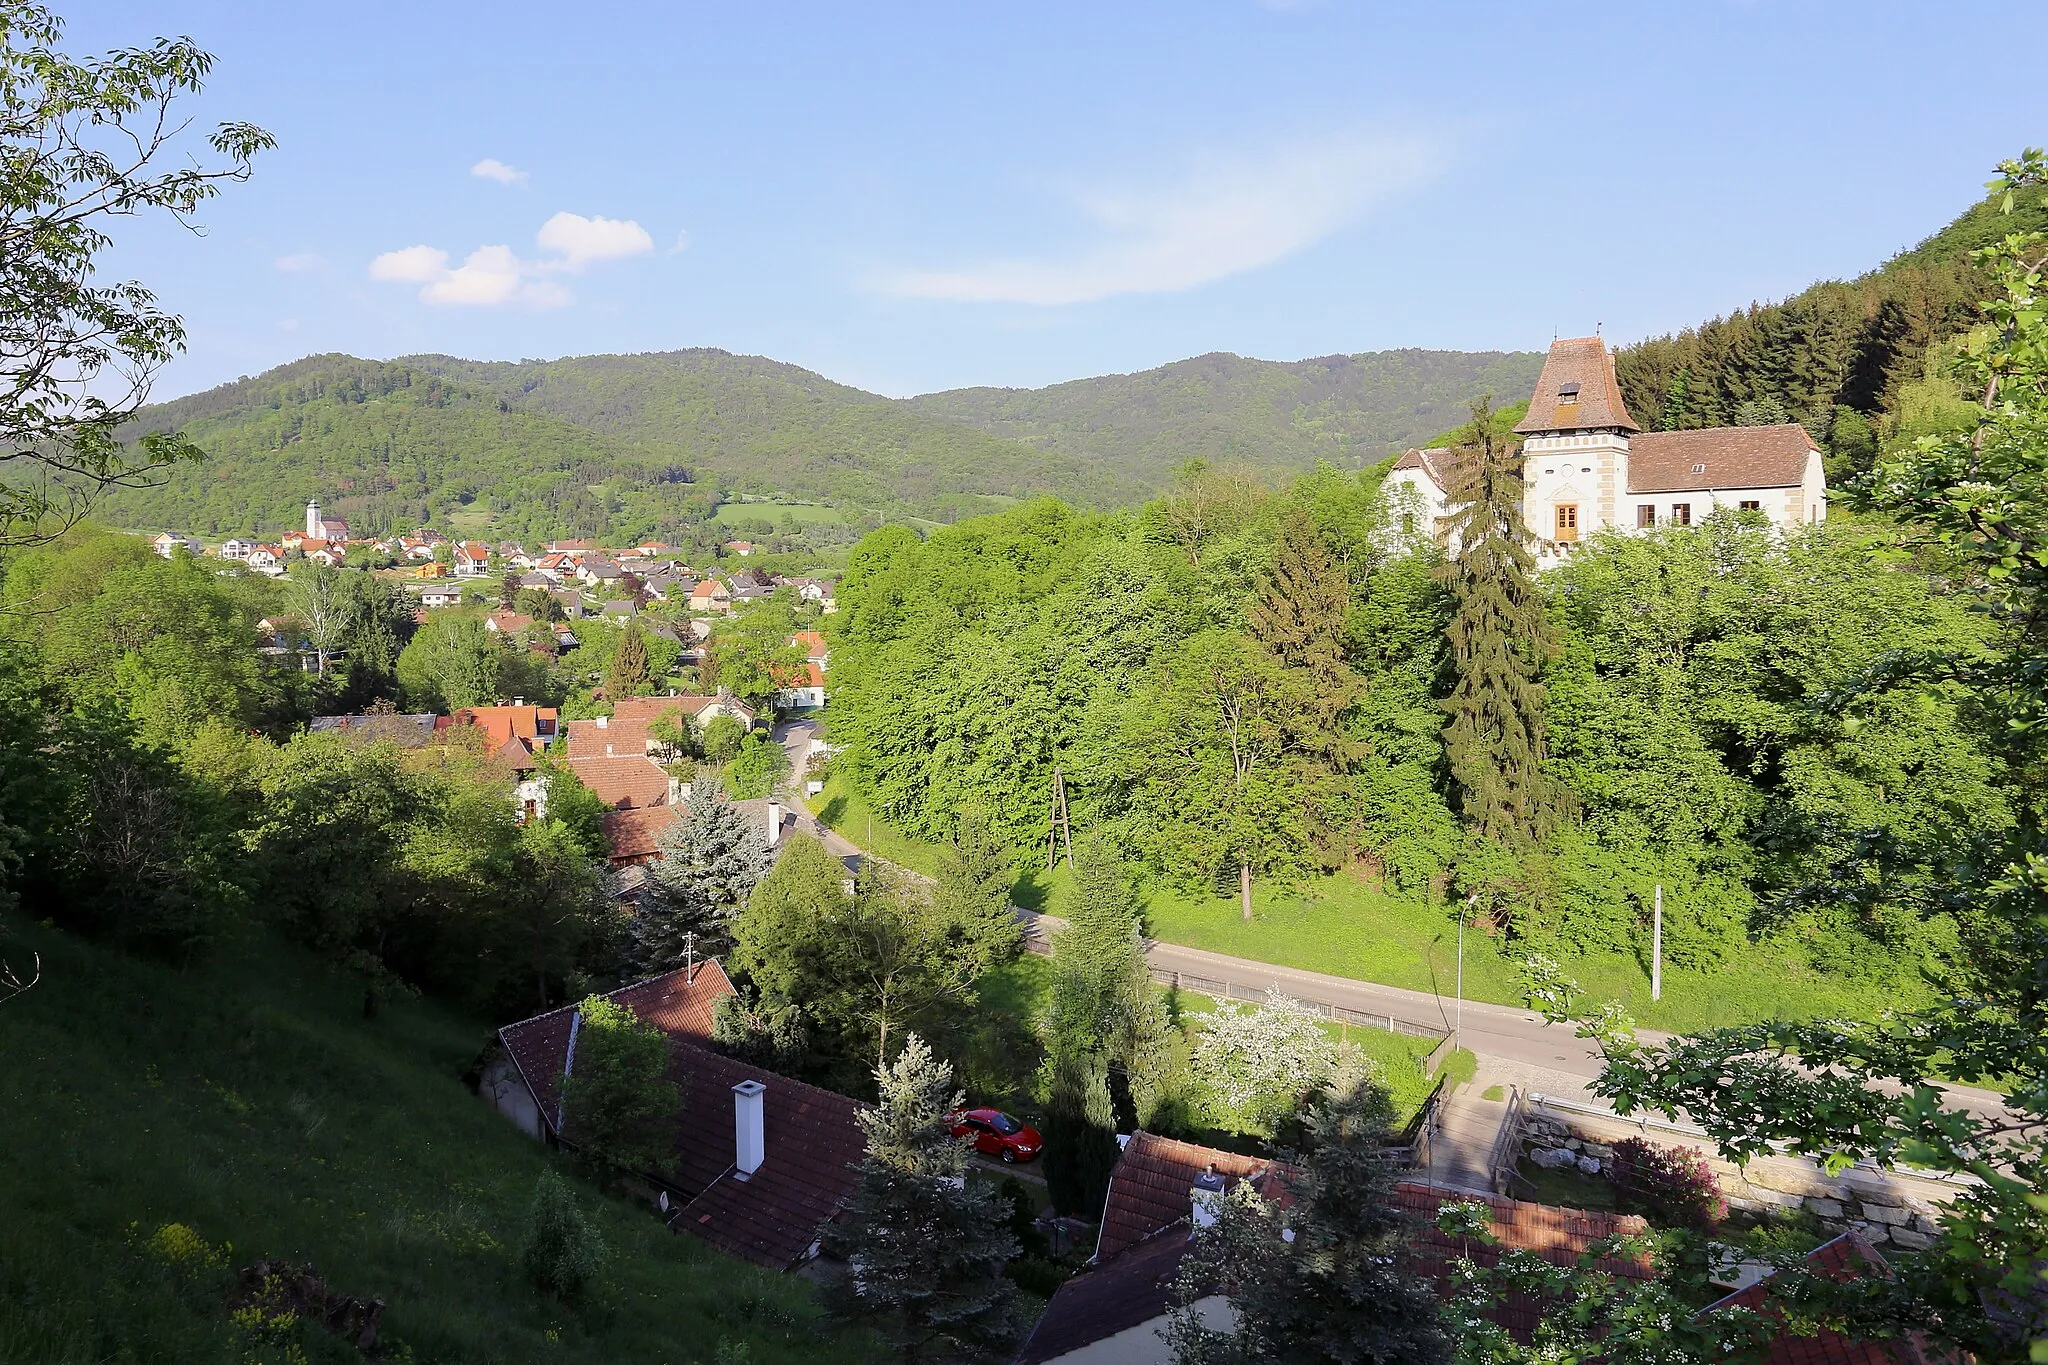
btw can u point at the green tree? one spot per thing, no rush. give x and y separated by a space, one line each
1299 613
575 806
452 662
558 903
708 865
925 1245
1080 1131
751 655
324 607
784 939
972 893
1500 638
1338 1289
89 142
722 738
538 603
619 1107
759 769
628 675
563 1253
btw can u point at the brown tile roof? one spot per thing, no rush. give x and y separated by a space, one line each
1114 1297
503 723
539 1046
1843 1258
625 730
1439 464
636 834
1148 1190
1581 368
812 1151
625 781
1734 457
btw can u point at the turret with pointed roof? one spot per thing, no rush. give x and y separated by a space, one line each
1577 391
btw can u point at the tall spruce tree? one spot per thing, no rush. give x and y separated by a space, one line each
1500 637
1298 614
1337 1291
1102 1014
925 1246
972 895
707 867
631 674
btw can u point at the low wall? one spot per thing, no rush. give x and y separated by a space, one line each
1888 1207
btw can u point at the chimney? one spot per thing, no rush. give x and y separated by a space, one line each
604 722
1206 1198
748 1130
774 823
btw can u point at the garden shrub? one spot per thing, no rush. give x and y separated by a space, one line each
1673 1185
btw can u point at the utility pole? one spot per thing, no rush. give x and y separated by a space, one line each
1657 945
1061 825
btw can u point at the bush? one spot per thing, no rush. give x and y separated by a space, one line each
1673 1185
564 1255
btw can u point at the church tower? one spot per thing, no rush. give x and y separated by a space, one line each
1575 451
313 520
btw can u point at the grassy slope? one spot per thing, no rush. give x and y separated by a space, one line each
1348 928
247 1098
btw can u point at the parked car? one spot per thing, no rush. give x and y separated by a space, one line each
997 1134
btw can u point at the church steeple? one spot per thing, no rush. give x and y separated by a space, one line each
313 520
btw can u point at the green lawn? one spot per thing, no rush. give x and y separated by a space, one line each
245 1097
1348 927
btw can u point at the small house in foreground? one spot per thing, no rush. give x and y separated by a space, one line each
760 1163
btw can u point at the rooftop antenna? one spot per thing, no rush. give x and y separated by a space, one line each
690 958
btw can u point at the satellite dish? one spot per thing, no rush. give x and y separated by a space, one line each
664 1201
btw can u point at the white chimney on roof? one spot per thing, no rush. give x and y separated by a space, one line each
604 722
1206 1198
774 823
749 1132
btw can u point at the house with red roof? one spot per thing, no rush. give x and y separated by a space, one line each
1114 1310
760 1163
472 559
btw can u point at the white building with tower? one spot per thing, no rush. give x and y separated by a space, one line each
1587 466
324 528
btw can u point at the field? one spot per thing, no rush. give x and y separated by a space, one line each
1346 926
805 513
244 1097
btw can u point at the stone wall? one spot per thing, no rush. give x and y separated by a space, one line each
1888 1208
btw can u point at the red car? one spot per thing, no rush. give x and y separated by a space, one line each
997 1134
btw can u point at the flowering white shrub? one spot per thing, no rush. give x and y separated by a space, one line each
1256 1061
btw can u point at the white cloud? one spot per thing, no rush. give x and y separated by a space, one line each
490 168
583 240
1228 214
410 265
682 243
300 261
493 276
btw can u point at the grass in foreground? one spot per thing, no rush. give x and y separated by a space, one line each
247 1099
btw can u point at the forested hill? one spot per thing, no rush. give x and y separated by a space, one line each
1858 361
585 446
1348 409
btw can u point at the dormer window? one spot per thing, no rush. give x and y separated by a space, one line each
1568 392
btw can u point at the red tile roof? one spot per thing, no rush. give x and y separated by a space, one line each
812 1146
1580 366
681 1008
625 730
1439 464
502 724
1148 1190
510 622
1843 1258
812 1151
636 834
1114 1297
1734 457
625 781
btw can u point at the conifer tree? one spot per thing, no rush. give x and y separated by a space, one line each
630 674
1299 615
708 865
1102 1014
1500 637
926 1246
1337 1290
972 897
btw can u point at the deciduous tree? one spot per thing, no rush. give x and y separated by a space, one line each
619 1107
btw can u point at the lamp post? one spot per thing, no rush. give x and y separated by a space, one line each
1458 1031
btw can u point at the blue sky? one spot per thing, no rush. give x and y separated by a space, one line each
910 198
